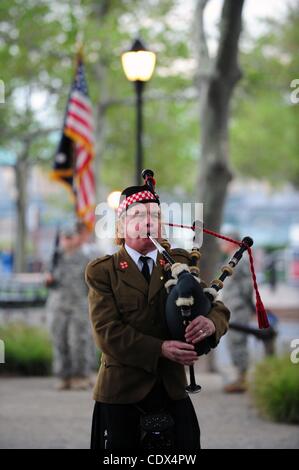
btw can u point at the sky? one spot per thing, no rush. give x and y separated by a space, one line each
253 14
254 11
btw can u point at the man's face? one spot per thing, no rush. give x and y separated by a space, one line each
140 221
68 242
84 235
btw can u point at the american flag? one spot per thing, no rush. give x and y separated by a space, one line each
73 163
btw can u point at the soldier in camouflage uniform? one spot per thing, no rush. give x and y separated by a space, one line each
74 354
237 296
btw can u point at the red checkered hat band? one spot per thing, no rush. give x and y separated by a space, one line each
142 196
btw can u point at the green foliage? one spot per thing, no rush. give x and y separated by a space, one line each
37 54
162 119
275 389
40 58
264 128
28 350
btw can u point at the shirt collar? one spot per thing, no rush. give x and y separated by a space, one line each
135 255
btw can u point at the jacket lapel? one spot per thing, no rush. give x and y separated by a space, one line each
129 272
157 278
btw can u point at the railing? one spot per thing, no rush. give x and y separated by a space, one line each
22 290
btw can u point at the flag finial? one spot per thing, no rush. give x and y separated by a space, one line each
79 45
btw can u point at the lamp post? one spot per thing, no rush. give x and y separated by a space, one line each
138 64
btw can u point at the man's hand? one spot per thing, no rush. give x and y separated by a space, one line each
180 352
199 329
49 279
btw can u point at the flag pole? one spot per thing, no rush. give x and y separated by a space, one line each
74 157
79 46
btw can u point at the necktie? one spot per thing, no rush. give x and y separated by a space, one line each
145 269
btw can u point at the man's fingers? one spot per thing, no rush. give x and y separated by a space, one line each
198 322
199 329
181 345
183 355
195 333
199 338
187 355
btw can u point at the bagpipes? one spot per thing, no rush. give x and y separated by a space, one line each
187 296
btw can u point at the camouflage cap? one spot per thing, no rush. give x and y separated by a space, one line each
69 229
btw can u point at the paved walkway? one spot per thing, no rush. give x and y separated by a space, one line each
35 416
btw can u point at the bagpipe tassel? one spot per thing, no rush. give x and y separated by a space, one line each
260 309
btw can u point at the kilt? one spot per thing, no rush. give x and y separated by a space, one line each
116 427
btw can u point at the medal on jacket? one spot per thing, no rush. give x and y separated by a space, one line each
123 265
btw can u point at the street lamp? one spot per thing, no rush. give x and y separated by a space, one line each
138 64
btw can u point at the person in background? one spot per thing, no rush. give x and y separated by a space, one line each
74 353
271 267
237 296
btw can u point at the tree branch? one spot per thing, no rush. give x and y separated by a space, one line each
42 132
200 34
29 137
226 64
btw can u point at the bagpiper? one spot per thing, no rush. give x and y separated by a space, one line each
140 395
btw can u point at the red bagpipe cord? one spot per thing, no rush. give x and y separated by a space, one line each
260 309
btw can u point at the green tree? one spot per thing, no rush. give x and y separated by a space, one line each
37 49
37 52
218 76
264 130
